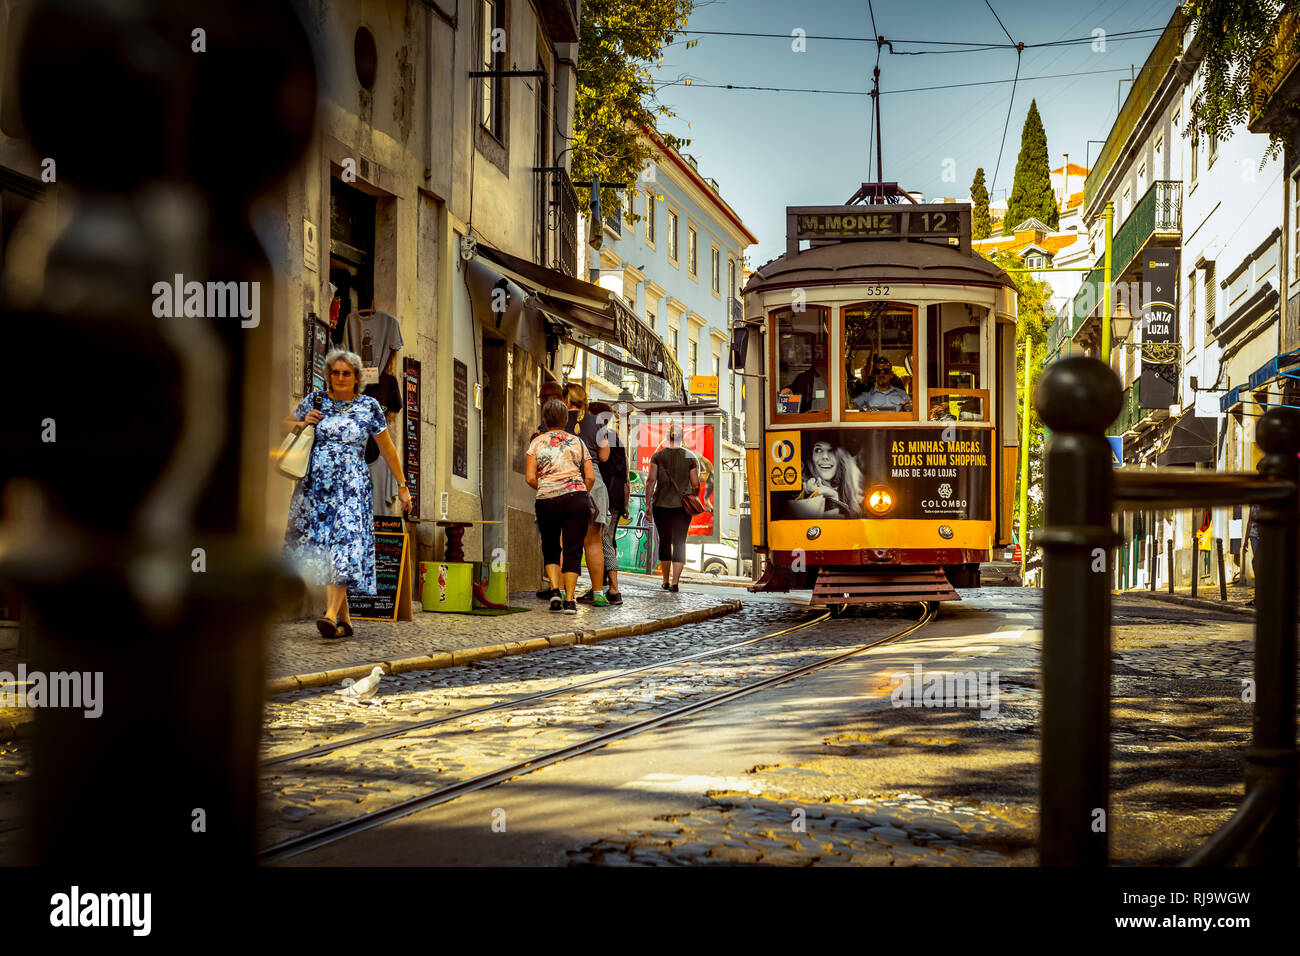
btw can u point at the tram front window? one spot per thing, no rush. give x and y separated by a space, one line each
802 361
879 354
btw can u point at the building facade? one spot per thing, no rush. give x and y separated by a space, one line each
675 253
1195 252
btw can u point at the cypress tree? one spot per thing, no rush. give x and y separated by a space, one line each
1031 191
979 198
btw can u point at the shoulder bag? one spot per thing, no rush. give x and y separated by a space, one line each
691 504
294 454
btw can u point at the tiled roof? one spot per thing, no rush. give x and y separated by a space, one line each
1075 170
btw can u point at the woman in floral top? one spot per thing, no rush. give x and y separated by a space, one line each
560 468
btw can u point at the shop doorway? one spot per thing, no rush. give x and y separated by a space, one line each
496 447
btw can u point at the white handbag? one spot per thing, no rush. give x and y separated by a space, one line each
294 454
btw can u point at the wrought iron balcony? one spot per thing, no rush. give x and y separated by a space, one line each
562 219
1158 214
1130 413
561 18
735 311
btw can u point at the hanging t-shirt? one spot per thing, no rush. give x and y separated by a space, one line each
375 338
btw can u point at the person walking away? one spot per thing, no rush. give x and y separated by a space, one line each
613 472
673 472
331 529
549 391
558 467
588 427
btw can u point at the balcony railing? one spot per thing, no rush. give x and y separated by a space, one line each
1158 212
735 312
1130 413
563 220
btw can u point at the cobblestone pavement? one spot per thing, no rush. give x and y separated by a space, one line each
296 647
941 787
318 791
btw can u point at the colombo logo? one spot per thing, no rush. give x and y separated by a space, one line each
782 450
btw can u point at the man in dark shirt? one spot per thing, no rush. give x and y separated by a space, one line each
613 472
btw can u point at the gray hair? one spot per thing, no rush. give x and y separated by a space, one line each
353 359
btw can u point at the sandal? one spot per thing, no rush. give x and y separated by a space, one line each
328 627
347 628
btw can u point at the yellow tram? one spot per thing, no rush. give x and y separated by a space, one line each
881 436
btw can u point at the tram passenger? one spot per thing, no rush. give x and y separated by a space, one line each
885 396
810 385
939 411
833 474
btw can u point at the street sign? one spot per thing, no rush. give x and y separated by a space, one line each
704 387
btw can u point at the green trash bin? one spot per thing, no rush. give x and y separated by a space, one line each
447 586
493 585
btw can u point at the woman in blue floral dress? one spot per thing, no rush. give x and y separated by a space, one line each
331 531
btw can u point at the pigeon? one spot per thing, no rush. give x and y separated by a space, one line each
363 689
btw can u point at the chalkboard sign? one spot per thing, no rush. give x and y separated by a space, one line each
390 570
411 369
460 420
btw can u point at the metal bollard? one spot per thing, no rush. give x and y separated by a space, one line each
1076 398
1169 551
1151 561
1271 758
1223 580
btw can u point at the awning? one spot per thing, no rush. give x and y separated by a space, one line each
1272 369
501 305
1192 440
585 309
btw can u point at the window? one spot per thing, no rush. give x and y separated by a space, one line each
614 222
1211 297
1124 204
1295 227
692 365
802 343
492 35
953 380
650 218
1191 301
1214 151
692 252
879 354
731 386
1196 148
731 277
717 367
1158 160
672 237
630 211
732 478
650 317
542 157
1142 179
715 269
1034 262
672 333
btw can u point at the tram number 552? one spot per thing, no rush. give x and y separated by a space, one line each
874 290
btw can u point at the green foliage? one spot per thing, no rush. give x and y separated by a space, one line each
981 227
1034 315
1234 36
1031 192
618 52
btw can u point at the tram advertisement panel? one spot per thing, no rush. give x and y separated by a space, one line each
929 472
701 435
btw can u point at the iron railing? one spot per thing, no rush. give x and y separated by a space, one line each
1130 413
564 208
735 311
1076 399
1159 211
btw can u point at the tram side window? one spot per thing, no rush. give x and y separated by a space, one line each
879 356
802 359
953 375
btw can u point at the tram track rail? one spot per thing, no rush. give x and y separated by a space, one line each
514 702
337 832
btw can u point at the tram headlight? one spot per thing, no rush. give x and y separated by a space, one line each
880 501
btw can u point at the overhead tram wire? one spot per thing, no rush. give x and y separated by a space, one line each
915 89
1000 23
972 45
1006 125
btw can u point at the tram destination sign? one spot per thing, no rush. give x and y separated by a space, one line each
942 221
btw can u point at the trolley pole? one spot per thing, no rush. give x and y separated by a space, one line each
1024 470
1105 284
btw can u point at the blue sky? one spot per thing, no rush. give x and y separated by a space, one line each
769 150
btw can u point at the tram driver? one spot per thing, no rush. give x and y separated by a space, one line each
885 395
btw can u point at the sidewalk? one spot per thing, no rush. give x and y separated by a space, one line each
299 657
1241 600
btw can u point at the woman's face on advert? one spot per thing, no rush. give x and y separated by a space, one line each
823 459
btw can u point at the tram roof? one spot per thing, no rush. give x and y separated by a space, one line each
849 262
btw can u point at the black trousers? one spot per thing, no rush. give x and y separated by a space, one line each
672 524
563 524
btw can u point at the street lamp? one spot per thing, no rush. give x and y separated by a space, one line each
1158 353
1121 321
